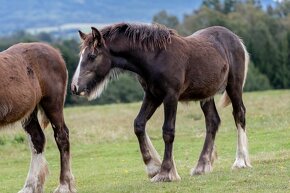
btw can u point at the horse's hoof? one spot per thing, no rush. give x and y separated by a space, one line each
201 169
26 190
31 189
241 163
65 188
161 178
166 177
153 168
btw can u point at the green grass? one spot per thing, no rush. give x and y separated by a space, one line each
106 157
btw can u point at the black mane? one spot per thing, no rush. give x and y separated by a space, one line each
142 36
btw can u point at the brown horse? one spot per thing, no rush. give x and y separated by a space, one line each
171 68
33 76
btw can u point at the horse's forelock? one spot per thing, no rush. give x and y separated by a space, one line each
86 43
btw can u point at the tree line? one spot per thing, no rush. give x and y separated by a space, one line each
265 32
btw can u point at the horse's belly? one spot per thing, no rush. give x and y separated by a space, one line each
203 89
196 95
204 80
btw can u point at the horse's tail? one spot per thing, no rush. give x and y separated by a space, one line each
225 99
43 120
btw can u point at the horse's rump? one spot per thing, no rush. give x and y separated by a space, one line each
233 53
28 73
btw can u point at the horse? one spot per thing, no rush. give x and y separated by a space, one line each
170 68
33 79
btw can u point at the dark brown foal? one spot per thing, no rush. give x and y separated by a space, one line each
170 68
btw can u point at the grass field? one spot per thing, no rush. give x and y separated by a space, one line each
106 156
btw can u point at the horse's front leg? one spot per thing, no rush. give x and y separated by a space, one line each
150 156
168 170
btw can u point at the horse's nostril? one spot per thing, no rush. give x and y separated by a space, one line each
74 89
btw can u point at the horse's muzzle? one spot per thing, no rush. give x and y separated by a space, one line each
76 91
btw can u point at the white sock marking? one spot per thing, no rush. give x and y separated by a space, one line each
155 163
37 172
242 155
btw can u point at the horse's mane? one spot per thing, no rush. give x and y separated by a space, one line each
142 36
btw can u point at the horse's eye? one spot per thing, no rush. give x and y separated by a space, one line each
92 56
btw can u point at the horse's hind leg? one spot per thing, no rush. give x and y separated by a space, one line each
239 111
54 112
38 166
149 154
208 153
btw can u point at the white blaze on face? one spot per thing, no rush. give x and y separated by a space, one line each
77 73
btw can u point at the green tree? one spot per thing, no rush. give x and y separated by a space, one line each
229 6
165 19
212 4
283 8
256 80
204 17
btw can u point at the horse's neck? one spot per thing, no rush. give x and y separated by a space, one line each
125 64
124 58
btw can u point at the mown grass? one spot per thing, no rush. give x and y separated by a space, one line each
106 155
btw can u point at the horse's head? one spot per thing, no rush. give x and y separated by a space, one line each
94 67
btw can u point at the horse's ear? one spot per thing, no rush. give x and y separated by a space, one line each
97 35
82 35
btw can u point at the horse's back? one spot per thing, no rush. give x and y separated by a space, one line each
39 54
220 33
225 41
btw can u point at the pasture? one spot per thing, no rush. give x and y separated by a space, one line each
106 157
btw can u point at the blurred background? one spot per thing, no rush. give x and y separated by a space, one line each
264 25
